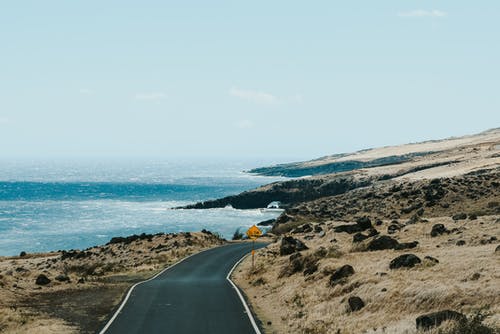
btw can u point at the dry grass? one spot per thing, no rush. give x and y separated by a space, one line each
393 298
97 280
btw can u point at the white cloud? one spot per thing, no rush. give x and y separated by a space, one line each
253 96
151 96
423 13
245 124
86 91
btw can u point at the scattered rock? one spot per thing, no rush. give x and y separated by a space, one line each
81 280
355 304
459 216
406 245
438 229
393 228
42 280
358 237
431 260
472 216
62 278
364 223
428 321
321 234
291 245
378 222
341 273
497 250
382 242
304 228
475 276
460 243
404 261
351 228
372 232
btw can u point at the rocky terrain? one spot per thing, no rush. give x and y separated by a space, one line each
371 275
424 161
408 246
76 291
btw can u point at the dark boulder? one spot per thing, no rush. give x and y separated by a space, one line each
364 223
428 321
341 273
382 242
438 229
404 261
310 265
358 237
42 280
460 243
393 228
22 254
351 228
378 222
459 216
372 232
304 228
406 245
431 259
497 250
62 278
291 245
355 304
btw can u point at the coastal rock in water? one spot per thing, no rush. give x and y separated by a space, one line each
404 261
341 273
355 304
291 245
428 321
42 280
382 242
438 229
22 254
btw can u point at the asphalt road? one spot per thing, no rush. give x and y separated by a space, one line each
192 297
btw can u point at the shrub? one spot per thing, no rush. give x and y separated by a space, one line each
237 235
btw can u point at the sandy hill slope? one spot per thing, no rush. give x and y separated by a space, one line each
336 175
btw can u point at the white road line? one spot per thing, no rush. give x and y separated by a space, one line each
247 309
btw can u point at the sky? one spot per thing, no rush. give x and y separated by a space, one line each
242 79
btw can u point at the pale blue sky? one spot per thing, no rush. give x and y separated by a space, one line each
290 79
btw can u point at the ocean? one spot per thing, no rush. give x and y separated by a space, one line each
56 205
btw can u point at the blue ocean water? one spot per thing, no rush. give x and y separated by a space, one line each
48 205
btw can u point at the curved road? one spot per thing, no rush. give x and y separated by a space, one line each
192 297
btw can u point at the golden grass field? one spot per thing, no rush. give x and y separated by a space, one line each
467 278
